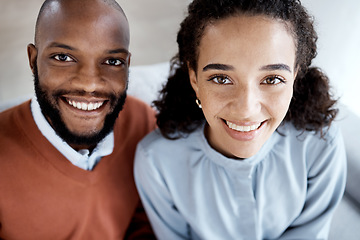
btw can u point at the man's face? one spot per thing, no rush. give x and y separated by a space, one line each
80 64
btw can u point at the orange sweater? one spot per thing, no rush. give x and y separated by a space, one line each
44 196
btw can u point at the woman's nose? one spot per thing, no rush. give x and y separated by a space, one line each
246 101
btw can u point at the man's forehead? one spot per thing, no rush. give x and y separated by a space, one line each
79 8
56 13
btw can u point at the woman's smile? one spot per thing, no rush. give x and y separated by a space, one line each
245 91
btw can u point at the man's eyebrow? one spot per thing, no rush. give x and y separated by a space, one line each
273 67
118 50
61 45
218 66
64 46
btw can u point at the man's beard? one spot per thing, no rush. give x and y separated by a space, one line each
52 114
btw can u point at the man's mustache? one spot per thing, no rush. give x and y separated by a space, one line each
81 93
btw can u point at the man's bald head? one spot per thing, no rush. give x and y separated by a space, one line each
51 6
81 54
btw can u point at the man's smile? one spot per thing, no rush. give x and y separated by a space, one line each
84 105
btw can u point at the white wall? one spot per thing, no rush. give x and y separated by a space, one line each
338 27
154 25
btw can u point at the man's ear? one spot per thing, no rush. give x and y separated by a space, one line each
129 59
32 56
193 80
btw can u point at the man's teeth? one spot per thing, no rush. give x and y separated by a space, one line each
85 106
242 128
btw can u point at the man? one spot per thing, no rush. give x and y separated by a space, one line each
66 156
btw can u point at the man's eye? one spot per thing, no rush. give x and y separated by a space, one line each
113 62
221 80
273 80
63 58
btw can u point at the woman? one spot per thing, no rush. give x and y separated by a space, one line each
244 148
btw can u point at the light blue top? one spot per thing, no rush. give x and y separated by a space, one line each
288 190
82 158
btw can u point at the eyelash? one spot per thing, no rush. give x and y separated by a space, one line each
223 77
71 59
215 78
272 78
56 57
120 62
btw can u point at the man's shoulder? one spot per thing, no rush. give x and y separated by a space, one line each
136 118
8 116
137 110
132 103
17 128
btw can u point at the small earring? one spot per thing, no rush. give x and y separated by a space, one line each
198 103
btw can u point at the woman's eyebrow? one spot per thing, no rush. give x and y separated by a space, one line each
226 67
273 67
218 66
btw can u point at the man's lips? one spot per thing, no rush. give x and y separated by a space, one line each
85 105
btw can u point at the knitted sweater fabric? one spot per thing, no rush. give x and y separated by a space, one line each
44 196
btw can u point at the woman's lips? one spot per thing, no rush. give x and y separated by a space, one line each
244 131
243 128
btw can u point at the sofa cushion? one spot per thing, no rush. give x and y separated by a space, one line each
349 124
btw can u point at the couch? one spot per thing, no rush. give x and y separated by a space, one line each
146 81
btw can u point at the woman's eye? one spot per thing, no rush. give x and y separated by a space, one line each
63 58
221 80
113 62
273 80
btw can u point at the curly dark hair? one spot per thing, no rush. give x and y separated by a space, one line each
312 106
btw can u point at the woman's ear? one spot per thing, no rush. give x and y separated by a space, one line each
193 79
32 56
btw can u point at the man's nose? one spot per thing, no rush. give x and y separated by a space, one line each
89 77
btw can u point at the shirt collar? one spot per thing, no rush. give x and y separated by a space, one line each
80 158
230 163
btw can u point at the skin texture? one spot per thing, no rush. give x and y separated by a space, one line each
81 55
245 75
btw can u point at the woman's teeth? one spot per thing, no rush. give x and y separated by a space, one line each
86 106
242 128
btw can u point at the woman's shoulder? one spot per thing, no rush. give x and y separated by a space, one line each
155 143
313 146
154 138
327 135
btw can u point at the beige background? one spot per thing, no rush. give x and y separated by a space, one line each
153 27
154 24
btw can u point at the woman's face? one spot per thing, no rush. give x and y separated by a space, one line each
244 80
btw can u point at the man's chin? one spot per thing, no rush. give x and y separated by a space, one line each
84 140
49 104
80 135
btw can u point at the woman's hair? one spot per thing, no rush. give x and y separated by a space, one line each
311 107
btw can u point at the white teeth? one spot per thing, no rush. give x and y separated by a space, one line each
85 106
242 128
90 107
78 105
97 105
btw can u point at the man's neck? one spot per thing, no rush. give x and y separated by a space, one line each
80 147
